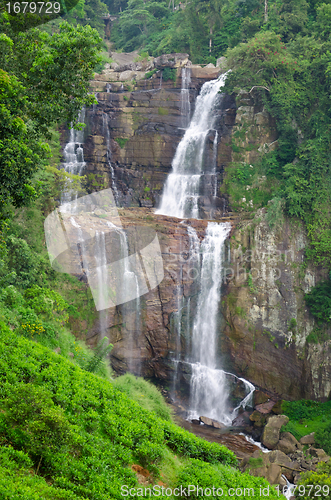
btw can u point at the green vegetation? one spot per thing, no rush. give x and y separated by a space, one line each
121 141
313 484
281 73
169 74
309 416
144 393
319 301
40 85
72 435
149 74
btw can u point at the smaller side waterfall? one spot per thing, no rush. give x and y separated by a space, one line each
106 134
73 158
102 279
185 105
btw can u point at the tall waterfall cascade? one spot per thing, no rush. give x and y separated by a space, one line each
182 188
208 383
209 390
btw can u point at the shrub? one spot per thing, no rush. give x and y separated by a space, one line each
169 74
146 394
319 301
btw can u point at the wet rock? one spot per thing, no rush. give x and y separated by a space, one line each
257 418
211 423
260 397
270 435
242 420
265 408
177 60
308 439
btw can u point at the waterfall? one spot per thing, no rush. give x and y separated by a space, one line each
106 134
102 280
185 106
208 389
182 189
131 310
215 144
73 159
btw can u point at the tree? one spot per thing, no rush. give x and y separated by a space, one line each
44 79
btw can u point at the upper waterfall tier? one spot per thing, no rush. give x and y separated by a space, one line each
183 186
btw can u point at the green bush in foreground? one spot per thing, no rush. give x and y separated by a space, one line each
68 434
315 485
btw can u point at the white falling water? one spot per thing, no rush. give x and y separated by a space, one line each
215 164
102 279
73 159
181 192
185 106
131 310
106 134
208 382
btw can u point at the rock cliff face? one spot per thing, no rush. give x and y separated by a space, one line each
267 322
131 135
130 140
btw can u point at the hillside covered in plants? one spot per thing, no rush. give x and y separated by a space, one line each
69 429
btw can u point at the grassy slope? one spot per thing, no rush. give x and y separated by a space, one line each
81 434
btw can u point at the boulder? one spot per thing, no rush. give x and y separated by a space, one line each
211 423
260 397
177 60
242 420
265 408
319 453
274 474
278 457
270 435
257 418
277 408
291 438
308 439
286 446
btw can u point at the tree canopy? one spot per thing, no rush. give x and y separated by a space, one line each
44 80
